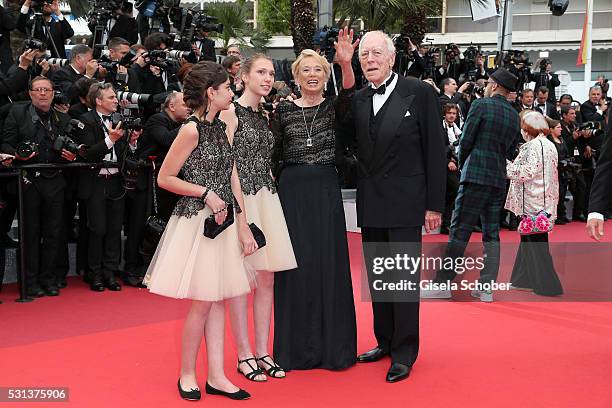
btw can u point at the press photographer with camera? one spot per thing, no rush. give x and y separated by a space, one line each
52 32
16 81
119 23
115 65
454 64
82 65
102 188
545 78
451 140
450 94
602 82
576 145
35 133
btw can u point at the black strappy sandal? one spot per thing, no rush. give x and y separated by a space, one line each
272 368
254 371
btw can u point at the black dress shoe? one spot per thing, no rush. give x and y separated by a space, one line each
398 372
238 395
113 285
62 283
579 217
371 356
35 291
96 284
193 394
51 290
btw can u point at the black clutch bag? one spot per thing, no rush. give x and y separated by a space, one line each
212 229
258 234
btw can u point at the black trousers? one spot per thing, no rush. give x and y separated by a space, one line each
105 209
43 206
452 187
396 324
136 211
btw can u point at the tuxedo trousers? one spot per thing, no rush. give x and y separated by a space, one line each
396 324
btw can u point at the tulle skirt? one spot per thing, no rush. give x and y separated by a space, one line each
189 265
265 210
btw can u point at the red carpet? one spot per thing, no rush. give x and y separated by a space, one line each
121 350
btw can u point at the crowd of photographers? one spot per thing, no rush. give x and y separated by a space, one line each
88 132
462 78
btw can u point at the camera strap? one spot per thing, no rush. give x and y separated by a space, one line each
154 188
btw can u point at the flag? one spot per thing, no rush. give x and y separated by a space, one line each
585 43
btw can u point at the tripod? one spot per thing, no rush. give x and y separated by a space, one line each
40 29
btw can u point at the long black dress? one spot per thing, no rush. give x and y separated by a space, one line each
314 311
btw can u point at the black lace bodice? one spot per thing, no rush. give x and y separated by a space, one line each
253 144
209 164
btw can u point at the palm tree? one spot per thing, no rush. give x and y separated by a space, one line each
302 25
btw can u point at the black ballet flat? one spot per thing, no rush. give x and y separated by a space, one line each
238 395
193 394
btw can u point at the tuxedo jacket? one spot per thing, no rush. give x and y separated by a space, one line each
600 199
93 136
159 133
64 80
404 166
549 110
8 21
60 32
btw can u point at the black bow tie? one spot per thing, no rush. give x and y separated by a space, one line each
105 117
541 105
381 89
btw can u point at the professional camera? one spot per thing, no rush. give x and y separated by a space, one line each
62 62
134 98
26 149
131 170
517 62
595 127
34 44
60 98
63 141
544 63
324 39
451 52
38 5
128 121
206 23
470 54
190 56
569 169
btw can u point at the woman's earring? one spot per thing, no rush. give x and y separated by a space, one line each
325 87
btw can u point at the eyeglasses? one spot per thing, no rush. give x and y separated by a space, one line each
42 90
376 53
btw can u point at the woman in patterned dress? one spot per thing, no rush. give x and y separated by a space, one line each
187 264
253 144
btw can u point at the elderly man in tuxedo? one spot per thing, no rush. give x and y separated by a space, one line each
402 159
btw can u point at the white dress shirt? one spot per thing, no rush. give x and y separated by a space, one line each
379 100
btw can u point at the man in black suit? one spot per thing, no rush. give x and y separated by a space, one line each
401 149
526 100
601 199
8 22
102 188
545 78
450 94
81 65
43 194
543 104
54 32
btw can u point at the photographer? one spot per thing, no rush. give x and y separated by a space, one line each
116 73
206 48
545 78
451 140
120 24
17 79
454 63
160 77
82 86
450 94
31 130
81 65
481 72
102 188
576 146
8 21
54 33
602 82
543 104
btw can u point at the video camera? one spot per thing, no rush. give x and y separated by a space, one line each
595 127
517 62
569 169
324 39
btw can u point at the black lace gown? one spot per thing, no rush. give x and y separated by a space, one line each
314 310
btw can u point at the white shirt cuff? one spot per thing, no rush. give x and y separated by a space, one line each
600 112
25 10
60 16
595 216
109 142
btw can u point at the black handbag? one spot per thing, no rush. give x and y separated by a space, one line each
154 226
258 234
212 229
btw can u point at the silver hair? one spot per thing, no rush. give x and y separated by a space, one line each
171 98
388 40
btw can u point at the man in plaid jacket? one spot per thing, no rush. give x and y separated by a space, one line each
489 136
